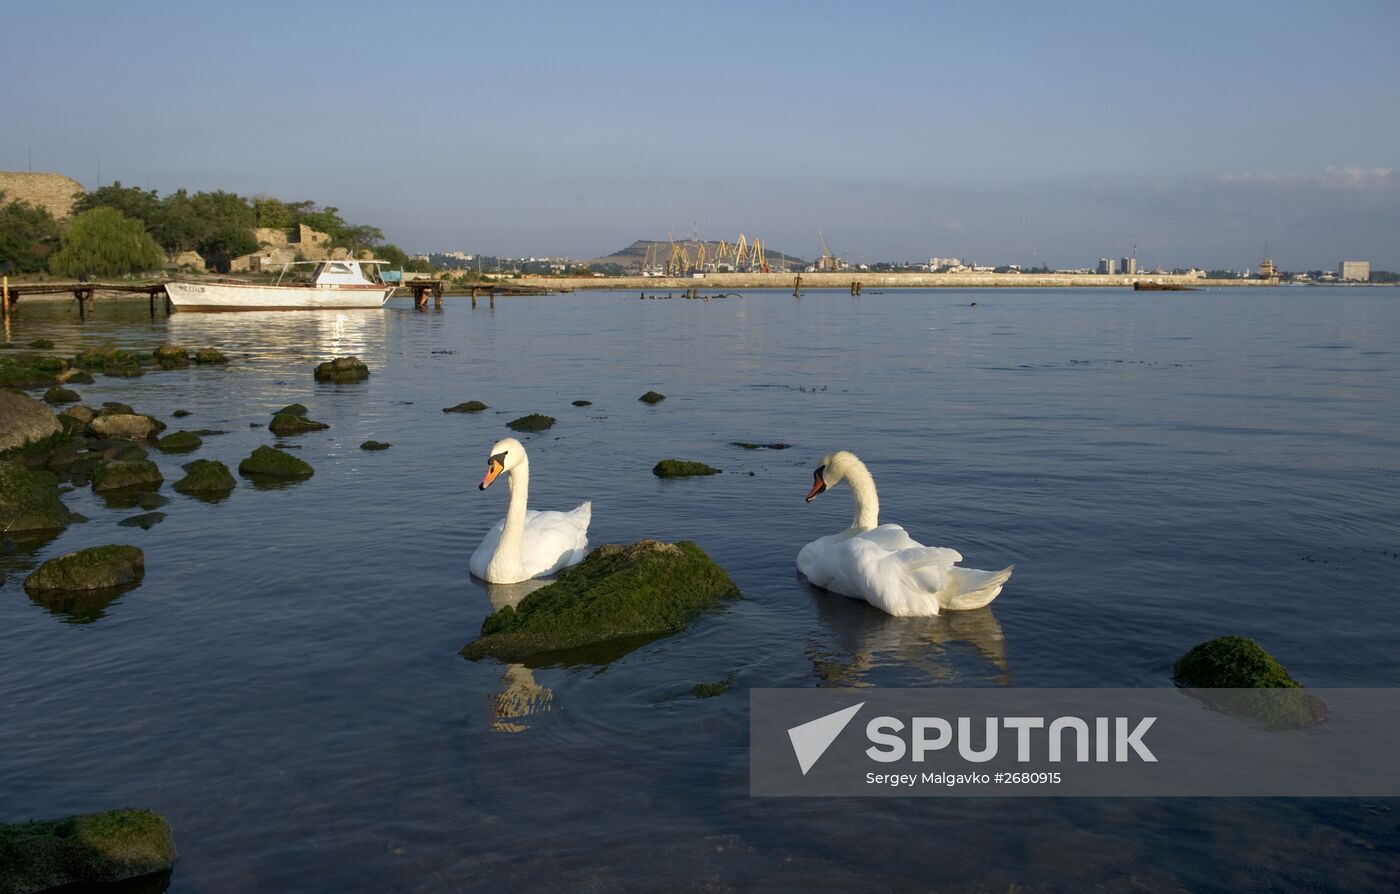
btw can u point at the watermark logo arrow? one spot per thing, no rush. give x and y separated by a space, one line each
810 740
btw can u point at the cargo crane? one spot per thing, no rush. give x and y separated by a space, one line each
827 261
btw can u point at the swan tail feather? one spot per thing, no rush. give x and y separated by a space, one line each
969 588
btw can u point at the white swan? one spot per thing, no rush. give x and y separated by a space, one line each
882 564
527 544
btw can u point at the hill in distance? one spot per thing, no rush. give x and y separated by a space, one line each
634 255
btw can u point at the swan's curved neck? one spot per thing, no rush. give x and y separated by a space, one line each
511 546
863 493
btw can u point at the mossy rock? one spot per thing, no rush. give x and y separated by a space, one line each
652 397
292 410
616 599
583 403
57 394
342 370
469 406
115 408
29 500
90 849
375 445
209 356
712 689
171 356
269 462
95 568
179 442
1234 675
42 344
80 378
109 361
679 468
180 414
287 424
533 422
126 475
205 477
27 371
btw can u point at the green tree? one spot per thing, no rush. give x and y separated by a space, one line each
104 242
227 224
28 235
132 202
273 213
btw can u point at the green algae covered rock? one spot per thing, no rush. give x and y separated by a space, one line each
293 410
269 462
171 356
583 403
57 394
679 468
533 422
652 397
42 344
205 477
95 568
468 406
342 370
179 442
93 848
208 356
375 445
29 500
287 424
1234 675
126 474
616 599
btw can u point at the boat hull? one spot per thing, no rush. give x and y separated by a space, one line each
187 296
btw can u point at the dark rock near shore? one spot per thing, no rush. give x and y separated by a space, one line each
115 408
29 500
342 370
205 477
679 468
749 445
120 475
470 406
179 442
618 598
209 356
128 426
78 378
1251 684
292 410
95 568
268 462
171 356
145 521
42 344
152 500
24 420
375 445
180 414
91 849
652 397
287 424
533 422
57 394
583 403
80 413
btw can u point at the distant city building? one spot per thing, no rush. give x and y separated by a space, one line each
936 263
1108 266
1127 265
1267 270
1354 271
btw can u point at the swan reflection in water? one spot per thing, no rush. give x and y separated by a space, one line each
521 695
862 638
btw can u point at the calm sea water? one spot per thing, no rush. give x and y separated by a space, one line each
285 687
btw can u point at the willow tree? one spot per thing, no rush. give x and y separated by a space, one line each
105 242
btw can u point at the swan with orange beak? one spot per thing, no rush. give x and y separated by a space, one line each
526 544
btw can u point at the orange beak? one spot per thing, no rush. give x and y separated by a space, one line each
818 485
493 469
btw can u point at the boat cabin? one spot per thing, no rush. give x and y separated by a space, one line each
342 274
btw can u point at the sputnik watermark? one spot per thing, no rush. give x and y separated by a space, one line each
1074 742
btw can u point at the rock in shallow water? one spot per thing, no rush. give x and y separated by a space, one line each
128 426
96 568
179 442
269 462
126 474
29 500
205 477
616 599
145 521
89 849
1234 675
533 422
679 468
288 424
342 370
652 397
375 445
469 406
24 420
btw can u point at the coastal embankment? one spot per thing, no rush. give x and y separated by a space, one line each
871 280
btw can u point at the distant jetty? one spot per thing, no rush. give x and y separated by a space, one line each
1142 286
867 280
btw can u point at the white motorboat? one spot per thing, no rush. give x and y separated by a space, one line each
331 285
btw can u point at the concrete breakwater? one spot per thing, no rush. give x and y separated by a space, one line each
844 279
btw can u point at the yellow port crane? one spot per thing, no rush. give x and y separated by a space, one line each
827 261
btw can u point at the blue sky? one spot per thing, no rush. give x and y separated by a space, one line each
1008 133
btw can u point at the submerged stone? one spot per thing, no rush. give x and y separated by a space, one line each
179 442
749 445
652 397
29 500
126 474
1234 675
42 344
269 462
679 468
90 849
206 356
95 568
292 410
616 599
145 521
57 394
470 406
287 424
171 356
583 403
205 477
533 422
713 688
342 370
375 445
180 414
152 500
78 378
